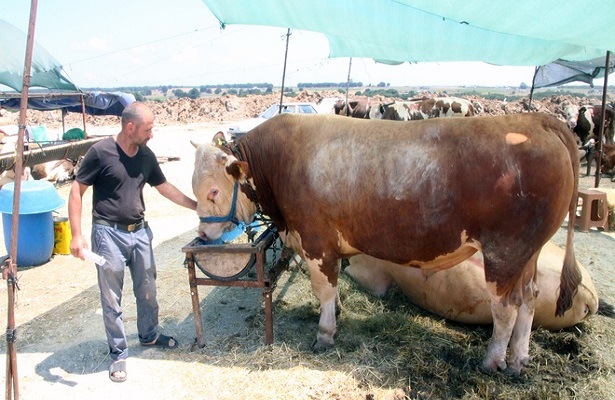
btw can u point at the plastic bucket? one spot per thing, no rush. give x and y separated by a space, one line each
38 133
61 236
35 238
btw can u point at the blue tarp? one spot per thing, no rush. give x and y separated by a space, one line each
96 103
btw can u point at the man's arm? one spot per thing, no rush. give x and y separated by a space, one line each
75 206
172 193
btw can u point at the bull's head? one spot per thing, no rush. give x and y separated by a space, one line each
216 182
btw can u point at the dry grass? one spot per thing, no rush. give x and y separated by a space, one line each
387 348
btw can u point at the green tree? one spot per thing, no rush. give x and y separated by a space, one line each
194 93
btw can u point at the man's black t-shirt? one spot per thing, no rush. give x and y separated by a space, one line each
118 180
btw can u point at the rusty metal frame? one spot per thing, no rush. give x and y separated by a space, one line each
266 277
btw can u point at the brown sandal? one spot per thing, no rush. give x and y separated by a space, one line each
117 366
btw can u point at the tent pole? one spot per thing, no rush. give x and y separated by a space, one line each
85 133
63 112
602 119
10 271
532 89
348 87
284 72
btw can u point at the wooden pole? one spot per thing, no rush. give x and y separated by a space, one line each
602 119
10 271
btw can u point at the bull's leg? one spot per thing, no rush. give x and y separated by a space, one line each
326 293
504 317
513 315
520 341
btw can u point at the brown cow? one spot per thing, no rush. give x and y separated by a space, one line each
607 166
356 108
427 194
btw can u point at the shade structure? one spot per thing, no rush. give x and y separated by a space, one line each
46 71
523 32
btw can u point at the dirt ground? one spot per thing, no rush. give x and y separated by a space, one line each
62 352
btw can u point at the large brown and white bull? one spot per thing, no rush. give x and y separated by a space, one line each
427 194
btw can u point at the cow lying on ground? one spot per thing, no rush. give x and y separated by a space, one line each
459 293
56 171
427 194
423 109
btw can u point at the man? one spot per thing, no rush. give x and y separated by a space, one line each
118 168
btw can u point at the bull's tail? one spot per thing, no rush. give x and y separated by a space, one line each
571 274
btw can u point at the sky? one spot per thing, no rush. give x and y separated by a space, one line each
128 43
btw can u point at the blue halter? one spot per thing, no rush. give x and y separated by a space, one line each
230 217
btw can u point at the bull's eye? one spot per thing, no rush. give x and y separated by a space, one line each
586 310
213 194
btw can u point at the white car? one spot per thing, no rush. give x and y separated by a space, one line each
238 130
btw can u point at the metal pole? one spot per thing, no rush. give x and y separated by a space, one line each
348 86
85 132
602 119
536 69
284 72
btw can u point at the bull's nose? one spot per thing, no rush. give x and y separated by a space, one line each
202 234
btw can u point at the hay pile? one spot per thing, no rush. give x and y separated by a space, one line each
390 349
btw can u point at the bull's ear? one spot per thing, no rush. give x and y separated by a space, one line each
219 140
238 170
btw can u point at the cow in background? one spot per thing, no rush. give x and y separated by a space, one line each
607 166
9 176
356 108
437 107
588 124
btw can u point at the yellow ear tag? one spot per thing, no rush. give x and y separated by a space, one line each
220 142
240 170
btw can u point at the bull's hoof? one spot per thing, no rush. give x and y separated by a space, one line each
320 347
516 365
513 371
491 366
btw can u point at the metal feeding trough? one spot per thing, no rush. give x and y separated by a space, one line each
255 264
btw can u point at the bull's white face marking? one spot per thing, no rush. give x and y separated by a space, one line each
213 189
513 138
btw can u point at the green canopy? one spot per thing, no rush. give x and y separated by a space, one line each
46 71
520 32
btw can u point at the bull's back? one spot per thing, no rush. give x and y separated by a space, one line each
384 187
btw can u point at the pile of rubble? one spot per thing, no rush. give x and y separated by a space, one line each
227 108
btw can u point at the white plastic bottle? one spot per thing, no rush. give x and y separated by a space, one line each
95 258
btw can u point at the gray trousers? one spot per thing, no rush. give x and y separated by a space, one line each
121 249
